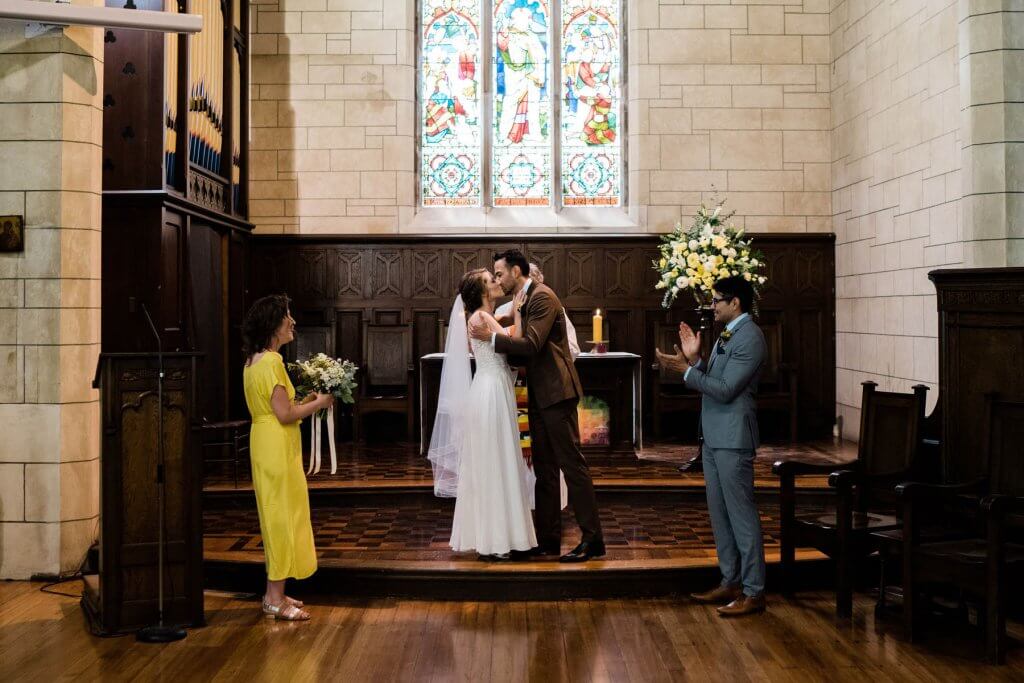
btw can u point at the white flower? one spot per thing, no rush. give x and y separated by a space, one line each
693 245
680 281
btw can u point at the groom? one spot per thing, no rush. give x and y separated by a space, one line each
728 419
554 390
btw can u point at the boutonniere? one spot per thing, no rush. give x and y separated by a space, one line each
722 339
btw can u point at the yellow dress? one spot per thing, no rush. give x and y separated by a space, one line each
282 497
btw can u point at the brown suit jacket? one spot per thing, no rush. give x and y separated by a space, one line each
543 349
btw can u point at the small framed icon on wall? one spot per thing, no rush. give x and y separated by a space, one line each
12 234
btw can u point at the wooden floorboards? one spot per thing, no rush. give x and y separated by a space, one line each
43 638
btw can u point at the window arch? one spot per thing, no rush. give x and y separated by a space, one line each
520 103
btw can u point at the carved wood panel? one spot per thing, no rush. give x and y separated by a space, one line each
550 263
582 273
425 274
387 359
388 273
618 272
461 261
312 272
349 273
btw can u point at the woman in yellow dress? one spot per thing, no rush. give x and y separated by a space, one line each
276 452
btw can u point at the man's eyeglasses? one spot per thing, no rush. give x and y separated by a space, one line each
715 300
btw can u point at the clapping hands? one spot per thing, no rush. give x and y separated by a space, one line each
689 342
687 351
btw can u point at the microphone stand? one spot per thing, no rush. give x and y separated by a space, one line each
158 632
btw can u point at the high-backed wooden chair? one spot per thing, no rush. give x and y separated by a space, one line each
668 392
386 378
887 454
988 564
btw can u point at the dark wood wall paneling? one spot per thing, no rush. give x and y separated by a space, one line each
337 283
981 339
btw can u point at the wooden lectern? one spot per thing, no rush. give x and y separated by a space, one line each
123 596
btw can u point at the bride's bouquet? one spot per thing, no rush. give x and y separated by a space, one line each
696 257
323 375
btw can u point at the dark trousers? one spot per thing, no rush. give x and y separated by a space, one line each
555 433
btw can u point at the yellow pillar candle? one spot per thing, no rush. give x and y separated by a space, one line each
597 325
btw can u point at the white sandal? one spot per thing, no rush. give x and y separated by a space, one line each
286 611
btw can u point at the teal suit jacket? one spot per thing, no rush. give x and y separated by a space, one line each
728 386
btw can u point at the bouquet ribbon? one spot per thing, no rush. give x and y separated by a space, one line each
316 447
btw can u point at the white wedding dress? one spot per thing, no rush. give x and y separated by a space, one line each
493 499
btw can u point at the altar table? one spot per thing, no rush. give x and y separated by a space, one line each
610 418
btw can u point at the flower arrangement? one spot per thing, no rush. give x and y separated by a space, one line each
710 249
325 375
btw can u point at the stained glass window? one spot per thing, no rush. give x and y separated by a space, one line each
514 163
521 160
591 100
450 150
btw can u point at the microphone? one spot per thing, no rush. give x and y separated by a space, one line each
158 632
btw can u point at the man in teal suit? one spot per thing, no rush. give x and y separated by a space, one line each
728 421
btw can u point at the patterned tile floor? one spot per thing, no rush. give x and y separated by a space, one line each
420 530
397 465
638 527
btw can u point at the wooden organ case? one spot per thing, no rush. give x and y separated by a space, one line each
175 238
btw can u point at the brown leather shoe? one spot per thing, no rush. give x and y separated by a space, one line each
718 595
743 605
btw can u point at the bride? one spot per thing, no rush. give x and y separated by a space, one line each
474 448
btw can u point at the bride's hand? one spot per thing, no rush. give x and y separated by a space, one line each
518 300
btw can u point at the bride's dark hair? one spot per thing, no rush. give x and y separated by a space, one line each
471 288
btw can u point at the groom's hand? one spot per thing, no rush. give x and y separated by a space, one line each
689 343
478 329
673 363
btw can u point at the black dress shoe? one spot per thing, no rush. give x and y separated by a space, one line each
584 551
692 465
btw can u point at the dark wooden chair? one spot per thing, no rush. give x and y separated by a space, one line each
988 564
777 390
227 440
887 454
386 378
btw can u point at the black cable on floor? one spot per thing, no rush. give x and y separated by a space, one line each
77 576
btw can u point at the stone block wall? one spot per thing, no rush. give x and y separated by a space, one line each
723 98
50 140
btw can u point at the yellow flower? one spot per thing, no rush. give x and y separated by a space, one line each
663 263
719 241
692 260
